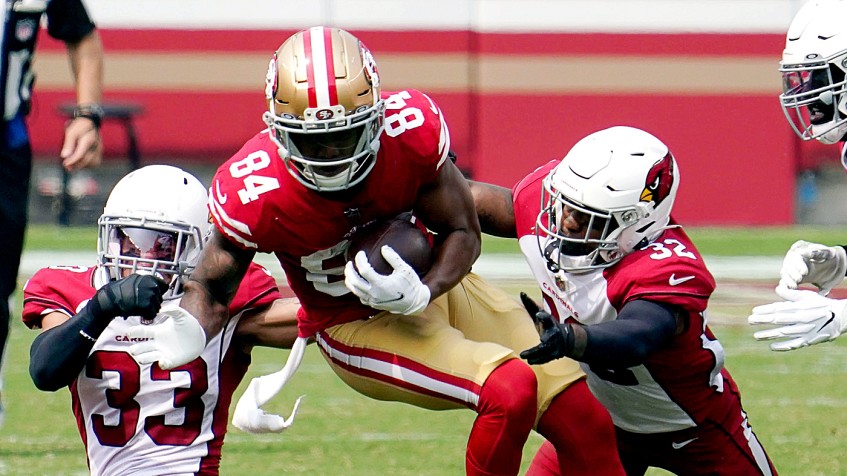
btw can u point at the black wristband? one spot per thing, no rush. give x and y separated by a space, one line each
92 112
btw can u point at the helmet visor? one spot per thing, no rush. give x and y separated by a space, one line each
142 249
144 243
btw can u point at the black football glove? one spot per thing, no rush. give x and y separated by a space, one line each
557 340
135 295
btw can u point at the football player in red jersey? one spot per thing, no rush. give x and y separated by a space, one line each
625 293
814 98
138 418
339 152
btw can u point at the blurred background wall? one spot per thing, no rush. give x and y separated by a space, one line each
519 81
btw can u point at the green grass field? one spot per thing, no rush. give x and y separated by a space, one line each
794 400
772 241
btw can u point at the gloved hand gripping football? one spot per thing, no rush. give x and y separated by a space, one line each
401 292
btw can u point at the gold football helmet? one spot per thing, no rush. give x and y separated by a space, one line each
324 113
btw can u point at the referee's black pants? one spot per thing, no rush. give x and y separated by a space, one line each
15 173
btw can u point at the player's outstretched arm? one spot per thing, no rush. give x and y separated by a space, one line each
59 353
203 309
642 328
820 265
495 209
805 318
272 326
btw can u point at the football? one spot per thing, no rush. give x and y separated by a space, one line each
404 236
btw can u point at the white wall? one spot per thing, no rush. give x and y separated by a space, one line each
720 16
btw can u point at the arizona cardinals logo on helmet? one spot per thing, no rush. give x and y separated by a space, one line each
659 181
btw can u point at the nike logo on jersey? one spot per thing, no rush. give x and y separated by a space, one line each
674 281
221 198
679 445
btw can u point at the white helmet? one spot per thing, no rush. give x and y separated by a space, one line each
621 182
155 221
813 69
325 114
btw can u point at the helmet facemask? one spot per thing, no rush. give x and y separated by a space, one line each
329 155
813 68
167 251
598 247
814 100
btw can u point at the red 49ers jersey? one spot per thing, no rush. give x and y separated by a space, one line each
678 387
306 229
140 419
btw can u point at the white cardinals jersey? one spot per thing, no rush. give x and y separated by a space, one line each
139 419
676 388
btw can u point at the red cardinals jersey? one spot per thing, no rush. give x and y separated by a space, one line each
678 387
140 419
259 206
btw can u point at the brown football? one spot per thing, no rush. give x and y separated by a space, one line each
401 234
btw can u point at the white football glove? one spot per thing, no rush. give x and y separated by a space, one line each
248 415
176 341
823 266
401 292
806 318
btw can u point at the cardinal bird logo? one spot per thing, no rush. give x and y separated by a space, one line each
659 181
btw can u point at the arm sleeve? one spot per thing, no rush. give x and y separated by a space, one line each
67 20
57 355
642 328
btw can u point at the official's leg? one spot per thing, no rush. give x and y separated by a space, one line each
15 171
